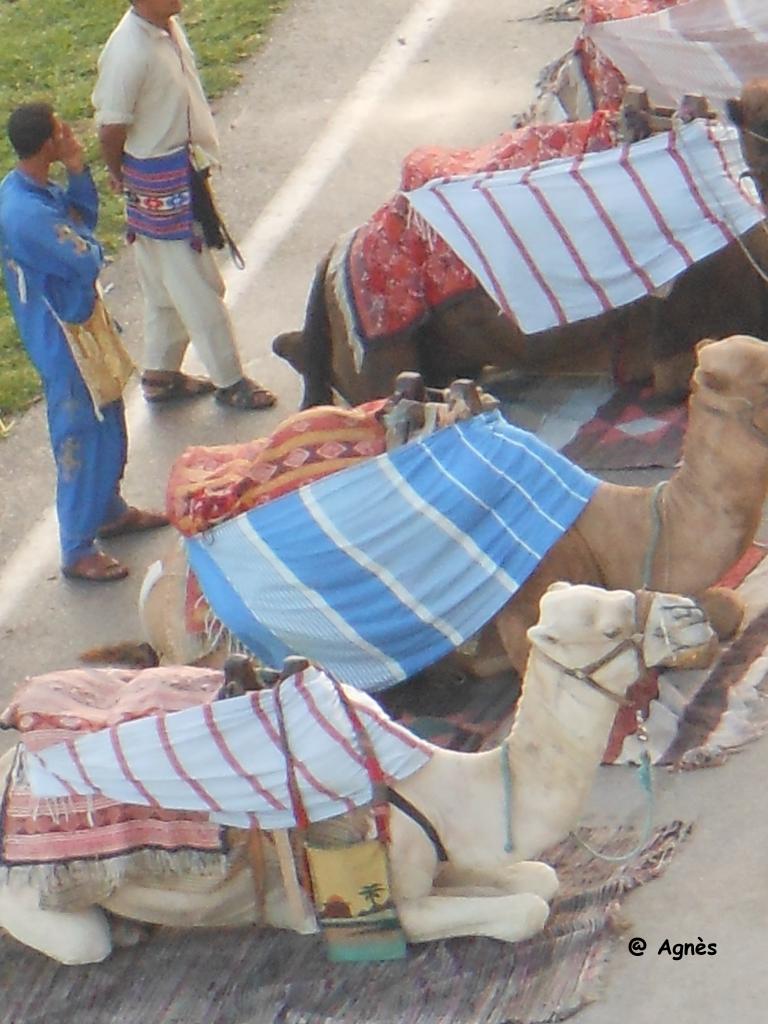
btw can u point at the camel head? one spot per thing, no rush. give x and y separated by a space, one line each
612 633
749 112
731 378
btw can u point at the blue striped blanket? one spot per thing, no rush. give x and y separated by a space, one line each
380 570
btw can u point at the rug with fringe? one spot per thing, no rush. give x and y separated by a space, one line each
258 977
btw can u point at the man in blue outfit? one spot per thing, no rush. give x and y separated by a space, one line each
51 262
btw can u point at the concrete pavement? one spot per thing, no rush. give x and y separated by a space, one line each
297 174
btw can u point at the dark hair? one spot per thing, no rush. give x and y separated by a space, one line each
29 128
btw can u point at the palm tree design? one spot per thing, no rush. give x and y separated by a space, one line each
371 893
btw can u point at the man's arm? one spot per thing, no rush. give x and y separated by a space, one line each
81 192
112 138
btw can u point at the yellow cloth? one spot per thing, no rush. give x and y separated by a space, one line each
100 355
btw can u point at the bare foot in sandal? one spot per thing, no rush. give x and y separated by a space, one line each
245 394
97 567
171 385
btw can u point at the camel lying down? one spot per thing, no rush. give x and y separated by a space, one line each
683 538
586 651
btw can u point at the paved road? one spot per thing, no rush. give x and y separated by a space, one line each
313 139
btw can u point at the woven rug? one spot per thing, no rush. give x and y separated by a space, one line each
256 977
633 430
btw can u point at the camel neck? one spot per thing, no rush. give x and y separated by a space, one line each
724 464
555 748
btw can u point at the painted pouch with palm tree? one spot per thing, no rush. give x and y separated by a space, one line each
353 901
350 880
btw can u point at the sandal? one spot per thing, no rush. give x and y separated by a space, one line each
171 385
95 568
133 520
245 394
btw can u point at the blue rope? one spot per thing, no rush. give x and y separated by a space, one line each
506 779
646 781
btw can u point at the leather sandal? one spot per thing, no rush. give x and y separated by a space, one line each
245 394
133 520
95 568
171 385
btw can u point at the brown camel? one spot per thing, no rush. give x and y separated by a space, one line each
750 115
681 538
685 535
721 295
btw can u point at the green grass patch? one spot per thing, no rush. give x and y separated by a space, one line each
49 51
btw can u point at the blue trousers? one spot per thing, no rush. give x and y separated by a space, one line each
90 456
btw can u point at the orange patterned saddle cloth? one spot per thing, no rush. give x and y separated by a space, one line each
208 485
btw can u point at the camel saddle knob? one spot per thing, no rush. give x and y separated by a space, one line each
292 665
410 384
240 676
464 398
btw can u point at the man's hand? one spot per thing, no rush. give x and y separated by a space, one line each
70 150
112 138
115 183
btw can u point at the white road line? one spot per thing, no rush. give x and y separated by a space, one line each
38 551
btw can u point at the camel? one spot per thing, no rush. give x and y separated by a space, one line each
587 649
467 336
749 112
626 537
650 339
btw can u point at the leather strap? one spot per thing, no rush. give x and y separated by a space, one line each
424 824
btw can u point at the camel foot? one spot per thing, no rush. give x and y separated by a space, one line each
71 937
127 933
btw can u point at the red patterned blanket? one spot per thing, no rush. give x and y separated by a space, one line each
606 82
395 271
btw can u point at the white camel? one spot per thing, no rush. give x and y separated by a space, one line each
586 651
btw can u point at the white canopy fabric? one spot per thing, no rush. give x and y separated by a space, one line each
575 237
711 47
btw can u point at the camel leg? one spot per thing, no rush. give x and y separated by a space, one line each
525 876
71 937
509 918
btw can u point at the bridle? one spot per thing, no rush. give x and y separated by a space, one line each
585 674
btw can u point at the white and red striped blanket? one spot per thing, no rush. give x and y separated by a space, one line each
575 237
226 758
711 47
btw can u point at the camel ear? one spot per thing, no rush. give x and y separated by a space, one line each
703 344
540 633
735 111
710 380
559 585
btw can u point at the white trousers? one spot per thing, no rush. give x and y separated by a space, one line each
183 294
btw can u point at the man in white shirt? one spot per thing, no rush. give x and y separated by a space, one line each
154 123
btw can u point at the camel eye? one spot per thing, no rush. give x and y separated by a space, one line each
611 634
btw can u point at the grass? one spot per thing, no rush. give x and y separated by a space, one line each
49 51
